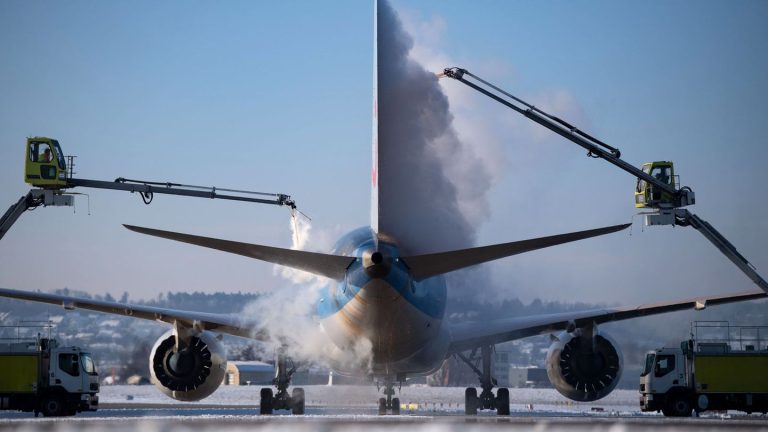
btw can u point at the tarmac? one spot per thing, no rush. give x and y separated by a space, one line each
353 408
161 418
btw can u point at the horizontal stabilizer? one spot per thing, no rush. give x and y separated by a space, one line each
424 266
330 266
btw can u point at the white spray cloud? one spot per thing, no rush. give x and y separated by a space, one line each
501 142
434 180
288 316
301 230
433 186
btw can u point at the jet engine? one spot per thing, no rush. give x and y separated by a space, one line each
190 372
584 365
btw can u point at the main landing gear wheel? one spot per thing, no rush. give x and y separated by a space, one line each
395 406
265 404
282 400
502 401
471 402
297 401
486 400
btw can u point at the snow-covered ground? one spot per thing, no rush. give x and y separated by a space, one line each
425 398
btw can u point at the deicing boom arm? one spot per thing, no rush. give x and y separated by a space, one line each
595 147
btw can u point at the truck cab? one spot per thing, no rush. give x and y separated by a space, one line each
663 379
649 196
73 372
722 367
42 377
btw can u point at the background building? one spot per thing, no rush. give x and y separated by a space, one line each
249 373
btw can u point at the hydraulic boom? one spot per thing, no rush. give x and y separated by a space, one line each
52 174
657 186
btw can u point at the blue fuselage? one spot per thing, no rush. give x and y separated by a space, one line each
379 311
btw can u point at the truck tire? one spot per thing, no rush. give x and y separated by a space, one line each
678 406
52 407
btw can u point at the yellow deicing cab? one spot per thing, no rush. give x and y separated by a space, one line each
645 193
45 166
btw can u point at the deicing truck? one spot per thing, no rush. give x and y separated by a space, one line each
707 376
41 377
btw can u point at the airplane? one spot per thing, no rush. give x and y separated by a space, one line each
393 302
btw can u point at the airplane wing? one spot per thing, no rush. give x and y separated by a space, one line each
466 336
229 324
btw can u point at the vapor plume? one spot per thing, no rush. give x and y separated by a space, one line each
432 195
432 186
288 318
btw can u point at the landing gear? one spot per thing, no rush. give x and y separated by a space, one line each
389 404
281 400
486 400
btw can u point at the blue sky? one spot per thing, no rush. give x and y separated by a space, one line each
276 97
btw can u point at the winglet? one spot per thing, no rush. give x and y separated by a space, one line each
424 266
330 266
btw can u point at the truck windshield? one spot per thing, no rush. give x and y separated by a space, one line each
88 366
59 155
650 359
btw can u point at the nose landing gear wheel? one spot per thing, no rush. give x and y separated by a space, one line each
389 403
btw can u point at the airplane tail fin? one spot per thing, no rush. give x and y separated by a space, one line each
330 266
424 266
375 125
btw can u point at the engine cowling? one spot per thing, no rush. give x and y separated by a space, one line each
191 373
580 372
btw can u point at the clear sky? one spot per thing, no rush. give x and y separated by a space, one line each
276 97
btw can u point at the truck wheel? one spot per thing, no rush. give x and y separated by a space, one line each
52 407
679 406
